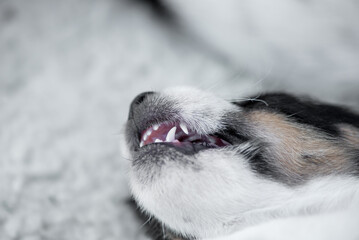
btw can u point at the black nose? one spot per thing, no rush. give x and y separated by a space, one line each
137 101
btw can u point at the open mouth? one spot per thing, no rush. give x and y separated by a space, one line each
179 136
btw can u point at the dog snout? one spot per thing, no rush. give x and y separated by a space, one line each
137 102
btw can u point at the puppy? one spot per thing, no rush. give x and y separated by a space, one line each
204 167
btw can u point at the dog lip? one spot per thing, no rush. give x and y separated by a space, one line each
178 135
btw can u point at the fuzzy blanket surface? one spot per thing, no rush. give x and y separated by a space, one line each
68 72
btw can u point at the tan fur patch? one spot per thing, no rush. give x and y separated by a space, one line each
299 150
350 134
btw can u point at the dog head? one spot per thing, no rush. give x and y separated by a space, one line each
204 166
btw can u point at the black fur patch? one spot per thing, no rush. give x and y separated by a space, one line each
305 111
255 153
232 135
153 227
262 166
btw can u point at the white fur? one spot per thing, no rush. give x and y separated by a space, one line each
334 225
200 110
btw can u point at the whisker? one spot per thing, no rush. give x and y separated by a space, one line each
253 100
163 232
293 114
128 159
148 220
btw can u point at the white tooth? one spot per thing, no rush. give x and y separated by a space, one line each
149 131
158 140
141 144
171 135
146 134
155 127
184 127
212 140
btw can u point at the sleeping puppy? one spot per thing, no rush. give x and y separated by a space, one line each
204 167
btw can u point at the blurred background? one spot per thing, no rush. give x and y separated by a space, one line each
69 70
